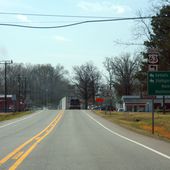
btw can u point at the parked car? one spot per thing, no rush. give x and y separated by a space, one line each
120 110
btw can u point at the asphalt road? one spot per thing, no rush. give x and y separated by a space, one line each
77 140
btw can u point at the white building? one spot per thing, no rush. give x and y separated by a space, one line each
144 104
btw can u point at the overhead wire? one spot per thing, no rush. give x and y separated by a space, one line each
54 15
74 24
96 19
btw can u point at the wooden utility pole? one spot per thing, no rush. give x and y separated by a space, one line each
6 62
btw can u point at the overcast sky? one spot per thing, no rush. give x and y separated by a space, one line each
71 45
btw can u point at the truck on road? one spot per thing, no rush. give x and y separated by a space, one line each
70 102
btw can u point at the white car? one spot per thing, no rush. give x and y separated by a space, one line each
121 110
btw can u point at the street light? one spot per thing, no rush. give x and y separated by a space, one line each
5 62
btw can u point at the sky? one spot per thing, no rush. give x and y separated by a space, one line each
69 46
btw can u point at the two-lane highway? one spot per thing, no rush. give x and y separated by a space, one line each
80 140
19 135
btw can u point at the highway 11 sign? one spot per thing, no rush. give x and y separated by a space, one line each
158 83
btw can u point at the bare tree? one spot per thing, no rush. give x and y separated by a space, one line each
42 84
86 78
122 71
142 28
47 84
108 66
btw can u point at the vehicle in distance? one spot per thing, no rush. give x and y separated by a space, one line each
69 102
74 104
120 110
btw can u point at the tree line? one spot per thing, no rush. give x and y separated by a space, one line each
127 74
124 74
39 85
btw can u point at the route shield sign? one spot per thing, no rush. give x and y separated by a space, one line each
153 58
159 83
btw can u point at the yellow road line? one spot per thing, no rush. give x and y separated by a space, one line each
17 163
21 159
2 161
26 143
17 155
40 139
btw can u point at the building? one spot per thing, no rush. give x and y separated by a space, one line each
144 104
11 99
12 104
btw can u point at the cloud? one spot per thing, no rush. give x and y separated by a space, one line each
102 7
23 18
61 39
3 51
18 5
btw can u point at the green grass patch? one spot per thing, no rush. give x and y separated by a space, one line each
8 116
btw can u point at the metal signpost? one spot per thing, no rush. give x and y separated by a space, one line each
108 96
153 61
158 84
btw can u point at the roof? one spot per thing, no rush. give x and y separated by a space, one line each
144 97
138 99
8 96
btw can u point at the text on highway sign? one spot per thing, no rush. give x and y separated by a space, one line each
159 83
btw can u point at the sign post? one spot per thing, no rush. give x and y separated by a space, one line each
158 84
153 123
153 61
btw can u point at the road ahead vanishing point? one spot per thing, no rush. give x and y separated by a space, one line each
77 140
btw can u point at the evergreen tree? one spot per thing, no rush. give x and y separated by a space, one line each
160 39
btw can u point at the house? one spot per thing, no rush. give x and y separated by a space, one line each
12 103
144 104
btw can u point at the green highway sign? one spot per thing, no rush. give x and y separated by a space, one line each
159 83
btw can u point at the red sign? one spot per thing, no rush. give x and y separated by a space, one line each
99 100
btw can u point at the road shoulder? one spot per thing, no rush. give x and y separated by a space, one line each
157 144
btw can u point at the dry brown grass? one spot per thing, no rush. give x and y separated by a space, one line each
141 121
13 115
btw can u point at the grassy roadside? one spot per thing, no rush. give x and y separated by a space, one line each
141 122
13 115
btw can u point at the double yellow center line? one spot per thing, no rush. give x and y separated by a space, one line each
19 154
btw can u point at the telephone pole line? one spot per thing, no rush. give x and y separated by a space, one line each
5 62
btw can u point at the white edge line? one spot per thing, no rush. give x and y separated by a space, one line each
130 140
19 120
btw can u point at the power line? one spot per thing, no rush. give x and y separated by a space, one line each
41 22
76 23
54 15
81 22
128 43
